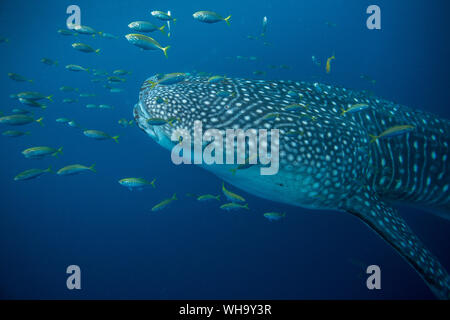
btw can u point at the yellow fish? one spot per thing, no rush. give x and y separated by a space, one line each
392 132
329 63
355 108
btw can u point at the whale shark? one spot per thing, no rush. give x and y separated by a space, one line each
354 152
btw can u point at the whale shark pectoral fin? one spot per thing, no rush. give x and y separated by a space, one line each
392 228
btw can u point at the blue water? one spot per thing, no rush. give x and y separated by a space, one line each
194 250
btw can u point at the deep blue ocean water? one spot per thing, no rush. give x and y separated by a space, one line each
194 250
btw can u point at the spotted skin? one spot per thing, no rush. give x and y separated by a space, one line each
332 165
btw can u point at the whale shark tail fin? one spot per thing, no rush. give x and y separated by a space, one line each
391 227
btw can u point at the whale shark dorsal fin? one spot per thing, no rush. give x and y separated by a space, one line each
385 220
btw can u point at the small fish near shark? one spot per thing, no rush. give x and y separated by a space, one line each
357 154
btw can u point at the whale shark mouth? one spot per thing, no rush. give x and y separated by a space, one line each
159 134
141 115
